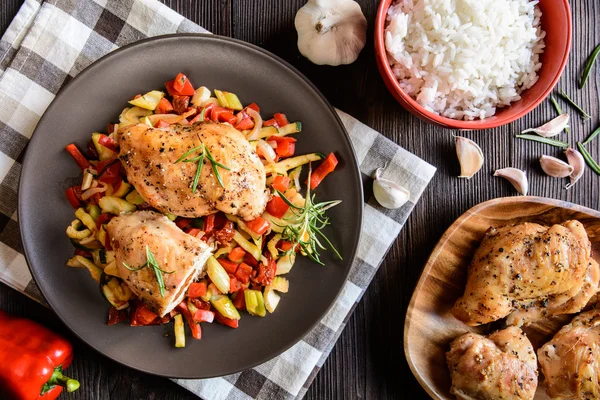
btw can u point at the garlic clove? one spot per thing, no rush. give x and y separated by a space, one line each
331 32
554 167
470 157
516 177
577 161
551 128
388 193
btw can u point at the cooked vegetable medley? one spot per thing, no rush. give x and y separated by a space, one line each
249 257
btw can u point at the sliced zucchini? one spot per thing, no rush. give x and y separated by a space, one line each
201 95
290 128
285 263
267 131
179 331
294 176
224 306
246 245
112 270
102 257
132 115
272 246
229 100
255 303
283 166
104 153
280 284
86 218
82 262
149 101
74 231
115 205
101 235
122 190
134 198
115 291
271 299
93 210
218 275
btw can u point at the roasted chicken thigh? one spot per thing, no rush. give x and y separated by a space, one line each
150 158
530 270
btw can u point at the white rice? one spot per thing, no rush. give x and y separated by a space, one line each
464 58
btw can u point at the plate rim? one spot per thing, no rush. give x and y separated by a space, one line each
440 245
354 163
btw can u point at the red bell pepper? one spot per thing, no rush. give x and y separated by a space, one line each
245 123
209 223
141 315
84 253
182 222
222 114
183 87
72 197
281 119
232 323
237 255
286 146
253 106
108 142
277 207
179 82
164 106
239 300
234 285
81 161
327 166
270 122
194 326
204 316
284 245
201 304
33 360
193 231
281 183
250 260
103 218
161 124
258 225
243 272
115 316
228 265
109 171
197 289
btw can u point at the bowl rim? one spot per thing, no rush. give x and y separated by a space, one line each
487 123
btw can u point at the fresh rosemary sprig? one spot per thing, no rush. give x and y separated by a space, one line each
592 136
571 102
304 228
544 140
152 264
589 65
588 158
204 153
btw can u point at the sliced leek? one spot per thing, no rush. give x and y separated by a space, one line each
285 263
280 284
246 245
82 262
149 101
74 232
115 205
86 218
224 306
218 275
241 225
272 246
271 299
255 303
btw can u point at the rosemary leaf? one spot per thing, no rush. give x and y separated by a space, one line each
205 153
544 140
588 159
198 170
592 136
589 65
187 153
152 264
570 101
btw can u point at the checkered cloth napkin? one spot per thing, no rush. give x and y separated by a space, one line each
48 43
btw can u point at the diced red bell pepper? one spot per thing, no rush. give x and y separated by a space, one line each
253 106
194 326
161 124
108 142
266 273
196 118
281 183
193 231
222 114
277 207
232 323
115 316
228 265
81 161
72 197
83 253
182 222
164 106
208 111
209 223
234 285
270 122
326 167
243 273
237 255
239 300
204 316
137 96
103 218
179 82
250 260
286 146
186 89
281 119
244 124
109 171
196 289
141 315
258 225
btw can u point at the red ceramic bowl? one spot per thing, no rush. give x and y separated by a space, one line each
556 21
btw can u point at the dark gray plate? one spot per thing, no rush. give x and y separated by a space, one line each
95 98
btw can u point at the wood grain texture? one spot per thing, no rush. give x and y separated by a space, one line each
368 361
430 326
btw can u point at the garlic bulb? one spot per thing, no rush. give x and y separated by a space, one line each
387 193
469 156
516 177
331 32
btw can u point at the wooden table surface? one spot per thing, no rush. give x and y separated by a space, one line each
368 361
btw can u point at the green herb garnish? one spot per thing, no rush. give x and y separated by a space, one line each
592 136
204 153
571 102
589 65
588 158
559 111
544 140
152 264
304 228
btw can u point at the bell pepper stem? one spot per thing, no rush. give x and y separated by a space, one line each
59 379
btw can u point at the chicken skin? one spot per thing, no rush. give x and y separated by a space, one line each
571 360
180 256
529 269
500 366
150 155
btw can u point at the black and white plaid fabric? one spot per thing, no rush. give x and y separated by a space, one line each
50 42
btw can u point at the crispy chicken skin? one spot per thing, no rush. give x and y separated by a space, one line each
149 155
571 360
180 255
500 366
528 267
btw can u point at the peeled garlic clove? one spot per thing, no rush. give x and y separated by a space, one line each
551 128
388 193
554 167
516 177
331 32
470 157
577 161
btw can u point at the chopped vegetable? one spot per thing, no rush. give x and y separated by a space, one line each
115 205
243 272
255 303
325 168
218 275
72 197
224 306
228 265
283 166
79 158
277 207
180 86
237 255
281 119
229 100
271 299
280 284
149 101
246 245
232 323
281 183
200 96
179 331
82 262
259 225
164 106
197 289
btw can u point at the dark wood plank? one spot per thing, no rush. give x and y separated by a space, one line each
368 361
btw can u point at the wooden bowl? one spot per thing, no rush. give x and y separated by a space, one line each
430 327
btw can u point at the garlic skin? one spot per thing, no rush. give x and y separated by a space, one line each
331 32
577 161
469 156
388 193
554 167
516 177
552 127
